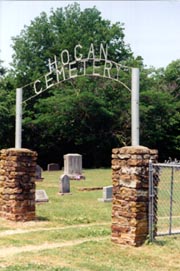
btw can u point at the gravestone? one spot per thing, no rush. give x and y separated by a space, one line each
73 166
107 194
53 166
38 177
64 184
41 196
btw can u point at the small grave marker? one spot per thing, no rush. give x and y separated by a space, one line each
53 166
38 174
107 194
41 196
64 184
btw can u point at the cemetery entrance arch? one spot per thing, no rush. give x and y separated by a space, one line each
65 68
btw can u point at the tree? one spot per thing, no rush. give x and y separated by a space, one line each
63 29
160 123
85 112
7 109
172 78
91 115
2 70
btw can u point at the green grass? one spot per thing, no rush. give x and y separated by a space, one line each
55 235
100 256
72 209
79 216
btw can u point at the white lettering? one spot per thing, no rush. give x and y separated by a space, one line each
107 69
35 89
75 52
65 54
48 80
62 69
118 67
52 65
84 65
102 51
72 70
91 51
59 72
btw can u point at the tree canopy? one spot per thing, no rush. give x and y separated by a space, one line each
86 115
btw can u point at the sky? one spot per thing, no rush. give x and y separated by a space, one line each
152 28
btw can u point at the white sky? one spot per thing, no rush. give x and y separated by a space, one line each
152 28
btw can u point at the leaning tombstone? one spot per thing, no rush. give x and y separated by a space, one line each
107 194
73 166
38 177
64 185
41 196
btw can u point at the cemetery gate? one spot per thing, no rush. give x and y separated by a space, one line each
65 69
164 199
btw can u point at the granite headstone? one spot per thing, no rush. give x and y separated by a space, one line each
41 196
73 166
64 184
107 194
38 173
53 166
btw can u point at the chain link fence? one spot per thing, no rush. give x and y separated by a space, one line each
164 199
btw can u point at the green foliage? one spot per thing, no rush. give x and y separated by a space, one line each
80 115
172 78
7 111
86 115
2 70
160 122
63 29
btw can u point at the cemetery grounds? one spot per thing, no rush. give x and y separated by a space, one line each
73 233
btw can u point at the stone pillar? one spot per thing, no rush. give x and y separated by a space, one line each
17 184
130 171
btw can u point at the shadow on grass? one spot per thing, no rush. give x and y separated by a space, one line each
41 218
160 243
165 242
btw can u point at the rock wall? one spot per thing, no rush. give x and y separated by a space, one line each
17 184
130 175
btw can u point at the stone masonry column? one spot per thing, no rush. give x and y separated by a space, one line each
17 184
130 171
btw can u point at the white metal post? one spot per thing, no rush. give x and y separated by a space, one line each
18 134
135 107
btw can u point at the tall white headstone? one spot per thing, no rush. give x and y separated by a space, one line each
73 165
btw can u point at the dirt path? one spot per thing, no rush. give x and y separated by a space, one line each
21 231
11 251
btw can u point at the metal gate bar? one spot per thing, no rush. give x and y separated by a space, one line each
151 202
171 201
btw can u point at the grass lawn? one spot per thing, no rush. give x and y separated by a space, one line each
73 233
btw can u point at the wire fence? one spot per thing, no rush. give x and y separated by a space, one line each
164 199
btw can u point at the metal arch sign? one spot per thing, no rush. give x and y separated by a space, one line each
65 68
